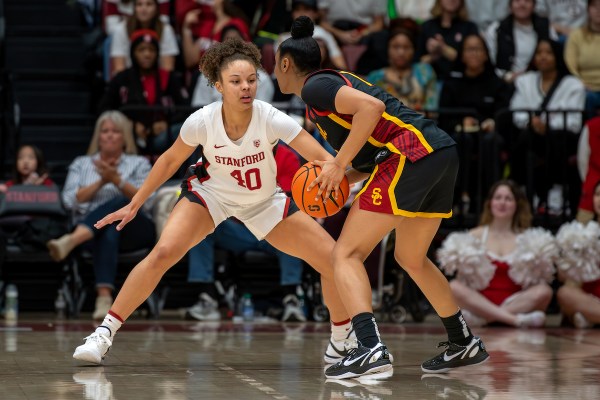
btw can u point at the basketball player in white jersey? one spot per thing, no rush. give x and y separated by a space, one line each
236 177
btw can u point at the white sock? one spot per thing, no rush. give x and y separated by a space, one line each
340 332
110 325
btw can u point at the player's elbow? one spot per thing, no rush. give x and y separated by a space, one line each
375 107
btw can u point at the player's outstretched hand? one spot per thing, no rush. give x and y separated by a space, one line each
329 179
124 215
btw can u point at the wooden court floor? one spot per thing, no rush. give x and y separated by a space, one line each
176 360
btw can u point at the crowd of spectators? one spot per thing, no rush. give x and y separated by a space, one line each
469 64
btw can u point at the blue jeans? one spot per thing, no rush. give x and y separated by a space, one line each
138 234
234 236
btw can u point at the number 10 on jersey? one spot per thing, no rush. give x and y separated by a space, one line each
250 179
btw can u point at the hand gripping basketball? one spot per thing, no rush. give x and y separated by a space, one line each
308 201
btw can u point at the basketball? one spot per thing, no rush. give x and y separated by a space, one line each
306 200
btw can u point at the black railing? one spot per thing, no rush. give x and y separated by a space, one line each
546 159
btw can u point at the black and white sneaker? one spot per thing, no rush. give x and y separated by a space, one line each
456 356
361 361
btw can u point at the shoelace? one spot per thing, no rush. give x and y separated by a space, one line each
443 344
352 345
96 337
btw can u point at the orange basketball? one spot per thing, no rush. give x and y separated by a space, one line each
305 200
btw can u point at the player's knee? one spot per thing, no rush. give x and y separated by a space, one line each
411 264
164 255
341 254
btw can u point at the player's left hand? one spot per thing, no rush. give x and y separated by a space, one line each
329 179
124 215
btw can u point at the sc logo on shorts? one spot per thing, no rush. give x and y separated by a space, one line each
376 196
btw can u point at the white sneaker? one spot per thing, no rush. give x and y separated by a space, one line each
534 319
293 311
103 305
580 321
94 349
338 349
206 309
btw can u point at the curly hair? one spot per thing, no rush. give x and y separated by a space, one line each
218 56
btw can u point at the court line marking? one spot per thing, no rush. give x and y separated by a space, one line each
252 382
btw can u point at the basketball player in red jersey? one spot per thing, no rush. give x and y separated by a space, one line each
411 167
235 178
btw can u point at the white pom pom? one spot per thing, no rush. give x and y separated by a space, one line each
464 254
579 247
534 257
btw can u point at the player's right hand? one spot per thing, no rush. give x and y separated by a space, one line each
124 215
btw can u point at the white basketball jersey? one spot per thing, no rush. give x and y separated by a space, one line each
243 173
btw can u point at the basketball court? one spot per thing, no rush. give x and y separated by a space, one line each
172 359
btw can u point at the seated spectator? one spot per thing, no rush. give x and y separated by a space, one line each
351 21
582 58
564 15
485 12
512 41
204 26
233 236
116 11
204 94
588 162
503 266
579 266
418 10
98 183
146 16
545 88
29 168
473 85
27 231
309 8
412 83
442 35
145 83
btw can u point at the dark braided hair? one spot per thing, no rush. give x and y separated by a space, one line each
301 47
220 55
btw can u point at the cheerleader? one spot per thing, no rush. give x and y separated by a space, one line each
503 266
579 265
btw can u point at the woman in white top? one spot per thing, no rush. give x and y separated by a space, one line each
236 177
146 16
548 69
100 182
547 129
